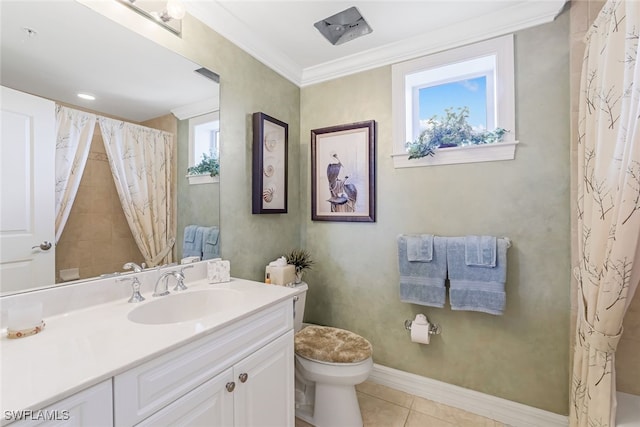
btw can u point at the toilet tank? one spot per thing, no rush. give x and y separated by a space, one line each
298 306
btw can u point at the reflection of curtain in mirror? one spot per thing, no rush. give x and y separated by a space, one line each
140 160
74 131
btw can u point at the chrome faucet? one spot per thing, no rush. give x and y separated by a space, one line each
164 278
132 265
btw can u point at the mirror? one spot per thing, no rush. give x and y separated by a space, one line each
55 50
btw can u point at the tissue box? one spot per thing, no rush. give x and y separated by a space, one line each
281 275
218 271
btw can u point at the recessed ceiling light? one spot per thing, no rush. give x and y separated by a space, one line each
86 96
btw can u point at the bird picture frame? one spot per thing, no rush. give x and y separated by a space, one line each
343 172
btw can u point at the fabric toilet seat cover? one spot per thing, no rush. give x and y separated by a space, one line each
326 344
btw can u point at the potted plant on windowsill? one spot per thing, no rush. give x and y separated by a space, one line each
452 130
301 260
208 168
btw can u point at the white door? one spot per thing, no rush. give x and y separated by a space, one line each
264 386
27 187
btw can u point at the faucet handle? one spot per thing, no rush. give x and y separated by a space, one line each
136 268
179 275
135 284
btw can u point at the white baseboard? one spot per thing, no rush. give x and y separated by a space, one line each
505 411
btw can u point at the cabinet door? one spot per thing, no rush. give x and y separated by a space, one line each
264 386
91 407
211 404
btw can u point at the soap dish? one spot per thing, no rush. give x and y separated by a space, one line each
26 332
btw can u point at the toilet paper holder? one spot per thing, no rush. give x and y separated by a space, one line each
434 328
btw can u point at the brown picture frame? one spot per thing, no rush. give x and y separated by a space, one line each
270 165
343 173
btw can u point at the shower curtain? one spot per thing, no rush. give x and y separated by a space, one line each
140 160
74 132
608 207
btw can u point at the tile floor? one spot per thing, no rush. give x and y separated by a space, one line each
385 407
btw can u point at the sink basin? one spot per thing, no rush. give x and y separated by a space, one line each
177 308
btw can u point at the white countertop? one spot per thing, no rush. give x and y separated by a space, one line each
84 347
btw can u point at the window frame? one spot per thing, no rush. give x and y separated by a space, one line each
406 79
193 122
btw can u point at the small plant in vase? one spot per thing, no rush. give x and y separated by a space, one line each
451 130
301 260
208 165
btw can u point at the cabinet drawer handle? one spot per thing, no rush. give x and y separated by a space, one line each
243 377
231 386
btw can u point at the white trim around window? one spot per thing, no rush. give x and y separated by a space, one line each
492 58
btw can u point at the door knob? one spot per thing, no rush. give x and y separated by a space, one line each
44 246
243 378
231 386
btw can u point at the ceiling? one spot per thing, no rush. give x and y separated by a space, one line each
76 49
63 58
281 33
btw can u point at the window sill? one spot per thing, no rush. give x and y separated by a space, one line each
202 179
455 155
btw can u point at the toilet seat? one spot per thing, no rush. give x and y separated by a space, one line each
325 344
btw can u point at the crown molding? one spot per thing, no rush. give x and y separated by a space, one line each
218 18
196 109
507 20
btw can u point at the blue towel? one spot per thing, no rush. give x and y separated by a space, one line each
423 282
210 247
480 251
420 247
476 288
192 244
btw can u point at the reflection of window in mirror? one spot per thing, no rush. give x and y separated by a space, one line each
204 142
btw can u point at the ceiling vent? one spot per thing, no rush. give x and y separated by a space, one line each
344 26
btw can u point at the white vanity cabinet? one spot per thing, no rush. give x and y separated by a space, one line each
266 397
211 404
240 375
91 407
256 392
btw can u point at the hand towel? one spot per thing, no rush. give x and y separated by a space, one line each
420 248
423 282
192 244
476 288
210 247
480 251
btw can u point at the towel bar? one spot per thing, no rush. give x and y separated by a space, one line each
434 328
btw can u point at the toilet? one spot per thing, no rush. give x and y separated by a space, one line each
329 362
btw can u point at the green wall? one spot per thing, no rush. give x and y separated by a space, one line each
246 86
521 356
197 204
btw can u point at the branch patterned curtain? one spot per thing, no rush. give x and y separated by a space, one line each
74 132
140 160
608 207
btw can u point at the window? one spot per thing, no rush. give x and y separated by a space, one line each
204 140
477 77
